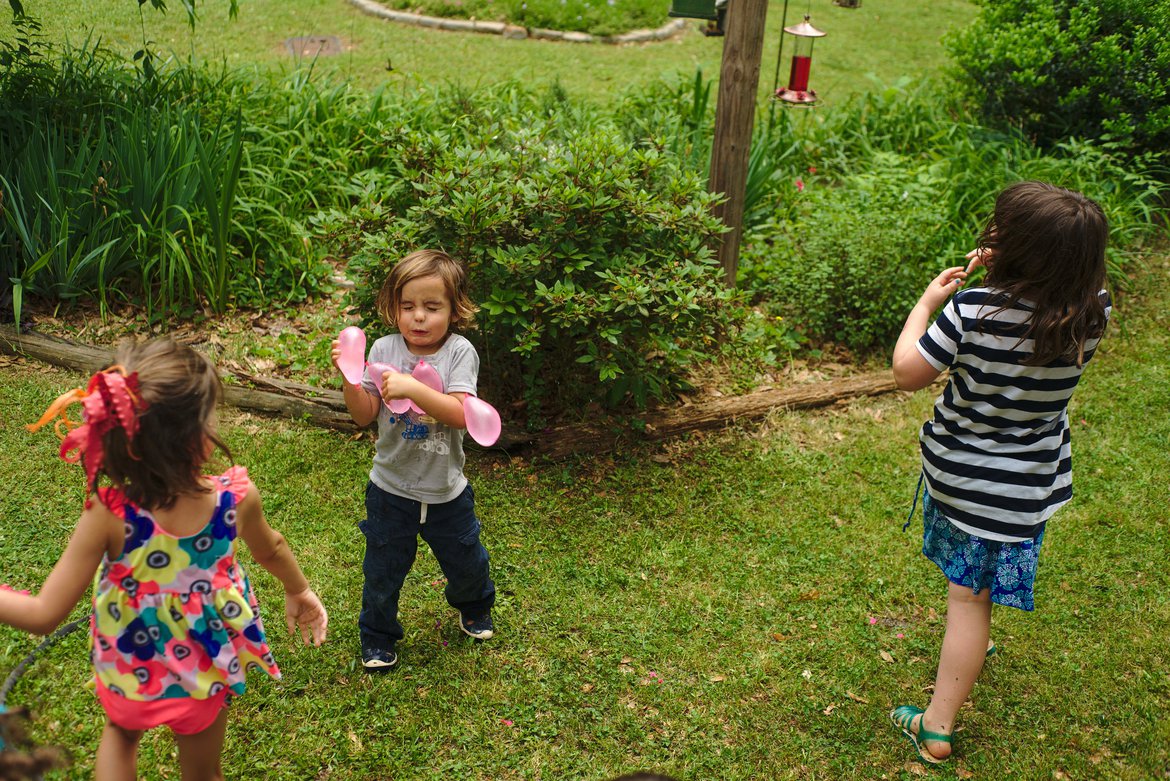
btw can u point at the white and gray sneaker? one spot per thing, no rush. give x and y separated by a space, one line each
480 628
378 660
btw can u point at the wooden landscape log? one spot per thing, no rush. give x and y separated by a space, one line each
565 440
326 407
322 407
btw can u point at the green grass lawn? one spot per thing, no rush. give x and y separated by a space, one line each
880 38
725 612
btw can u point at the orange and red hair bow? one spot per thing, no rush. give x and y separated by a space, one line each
112 399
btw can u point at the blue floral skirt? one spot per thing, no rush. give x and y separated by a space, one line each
1007 568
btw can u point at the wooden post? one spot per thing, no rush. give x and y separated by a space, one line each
743 47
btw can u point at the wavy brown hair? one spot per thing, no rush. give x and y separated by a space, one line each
179 390
1046 245
428 263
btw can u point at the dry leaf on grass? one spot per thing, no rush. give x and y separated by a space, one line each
717 678
855 698
829 710
887 656
915 768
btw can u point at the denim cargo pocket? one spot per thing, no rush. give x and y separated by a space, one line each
376 525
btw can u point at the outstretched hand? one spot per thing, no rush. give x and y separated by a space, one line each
306 611
942 286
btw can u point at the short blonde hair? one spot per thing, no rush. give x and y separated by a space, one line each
428 263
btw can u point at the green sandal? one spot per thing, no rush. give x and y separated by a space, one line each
992 649
903 717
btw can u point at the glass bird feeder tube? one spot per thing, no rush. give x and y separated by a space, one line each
797 90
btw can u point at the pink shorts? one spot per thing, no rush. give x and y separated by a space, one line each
183 715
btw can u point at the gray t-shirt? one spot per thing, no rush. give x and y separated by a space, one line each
417 456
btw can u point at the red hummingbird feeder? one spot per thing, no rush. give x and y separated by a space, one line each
797 90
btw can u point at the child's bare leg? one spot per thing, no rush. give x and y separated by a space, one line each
964 649
117 755
199 754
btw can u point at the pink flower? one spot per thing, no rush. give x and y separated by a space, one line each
506 722
812 169
799 185
900 635
872 620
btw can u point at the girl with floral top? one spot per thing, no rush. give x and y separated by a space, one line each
175 625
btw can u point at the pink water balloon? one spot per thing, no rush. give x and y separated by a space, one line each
483 422
426 374
352 342
397 406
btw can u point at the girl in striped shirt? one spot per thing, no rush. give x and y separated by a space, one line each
996 455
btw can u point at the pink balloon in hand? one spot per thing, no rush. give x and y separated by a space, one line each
352 342
426 374
483 422
397 406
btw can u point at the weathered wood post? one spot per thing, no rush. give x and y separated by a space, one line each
743 47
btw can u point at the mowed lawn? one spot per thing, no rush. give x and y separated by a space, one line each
891 41
734 606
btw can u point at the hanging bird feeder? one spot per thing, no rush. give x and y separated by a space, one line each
797 90
714 11
693 9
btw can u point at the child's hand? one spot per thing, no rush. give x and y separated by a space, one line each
335 354
396 385
978 257
942 286
306 611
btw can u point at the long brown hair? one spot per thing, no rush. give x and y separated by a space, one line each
179 389
1046 245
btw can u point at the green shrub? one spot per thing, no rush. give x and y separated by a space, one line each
856 255
1059 69
589 257
900 184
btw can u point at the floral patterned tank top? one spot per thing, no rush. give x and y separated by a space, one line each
175 616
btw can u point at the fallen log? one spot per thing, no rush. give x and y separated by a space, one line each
326 407
319 406
562 441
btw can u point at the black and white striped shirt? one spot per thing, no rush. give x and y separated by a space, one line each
997 455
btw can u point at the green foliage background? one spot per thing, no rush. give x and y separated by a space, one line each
1071 69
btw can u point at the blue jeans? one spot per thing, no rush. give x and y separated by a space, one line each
392 527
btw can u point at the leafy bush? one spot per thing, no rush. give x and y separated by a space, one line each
899 185
1060 69
589 257
856 256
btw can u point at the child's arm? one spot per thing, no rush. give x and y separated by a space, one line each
362 405
912 371
66 584
447 408
270 550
